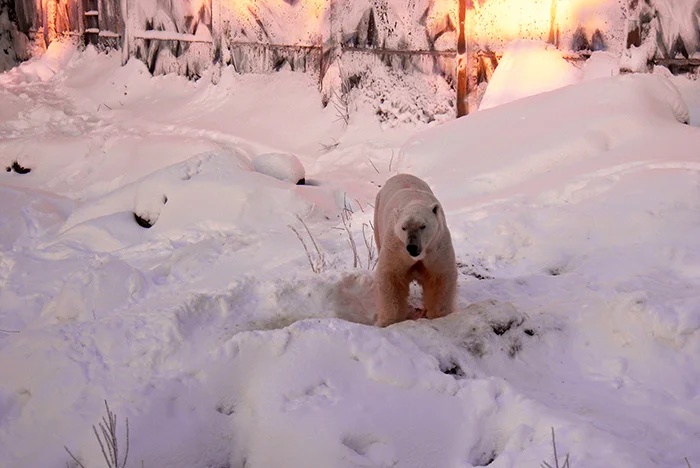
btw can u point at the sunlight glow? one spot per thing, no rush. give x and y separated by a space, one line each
507 20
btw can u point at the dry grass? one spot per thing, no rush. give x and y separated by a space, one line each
367 235
108 440
316 258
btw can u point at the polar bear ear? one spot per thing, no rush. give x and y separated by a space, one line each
435 208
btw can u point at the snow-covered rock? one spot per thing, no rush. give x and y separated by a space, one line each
282 166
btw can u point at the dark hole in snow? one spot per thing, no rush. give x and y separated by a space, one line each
165 199
143 222
301 181
312 182
225 409
453 369
353 81
473 270
556 271
485 459
8 169
500 328
19 169
529 332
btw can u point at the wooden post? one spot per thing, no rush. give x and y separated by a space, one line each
462 107
553 26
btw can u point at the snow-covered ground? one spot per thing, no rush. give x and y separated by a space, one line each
575 216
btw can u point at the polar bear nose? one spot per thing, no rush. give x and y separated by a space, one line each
413 250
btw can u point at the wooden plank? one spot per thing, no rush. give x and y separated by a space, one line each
689 62
364 50
276 46
383 51
170 36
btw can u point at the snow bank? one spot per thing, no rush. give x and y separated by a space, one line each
601 65
45 66
544 140
212 191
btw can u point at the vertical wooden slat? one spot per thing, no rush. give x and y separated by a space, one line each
462 107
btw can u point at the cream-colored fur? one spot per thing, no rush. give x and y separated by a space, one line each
414 244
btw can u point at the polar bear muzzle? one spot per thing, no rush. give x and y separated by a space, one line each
413 246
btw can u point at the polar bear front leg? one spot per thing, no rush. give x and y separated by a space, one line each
392 300
439 295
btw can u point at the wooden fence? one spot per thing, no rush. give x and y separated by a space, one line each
456 39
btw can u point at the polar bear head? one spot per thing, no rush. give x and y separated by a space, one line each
416 226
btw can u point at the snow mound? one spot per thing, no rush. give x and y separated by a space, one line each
528 68
544 140
28 214
601 65
282 166
213 190
47 65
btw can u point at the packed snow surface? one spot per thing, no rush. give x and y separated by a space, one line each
575 216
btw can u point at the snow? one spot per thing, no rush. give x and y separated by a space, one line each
527 68
573 214
282 166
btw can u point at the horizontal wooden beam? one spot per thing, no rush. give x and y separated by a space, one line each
384 51
170 36
684 62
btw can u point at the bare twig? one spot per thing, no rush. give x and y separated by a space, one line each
330 146
108 440
319 264
108 427
556 457
74 458
372 258
391 160
345 216
9 331
341 102
318 251
687 462
375 167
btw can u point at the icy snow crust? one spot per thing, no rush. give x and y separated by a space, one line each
574 215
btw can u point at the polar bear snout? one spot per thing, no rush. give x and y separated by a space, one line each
413 246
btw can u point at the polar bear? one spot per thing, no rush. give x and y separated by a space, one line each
414 244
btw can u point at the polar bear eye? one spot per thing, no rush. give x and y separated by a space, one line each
423 226
403 228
